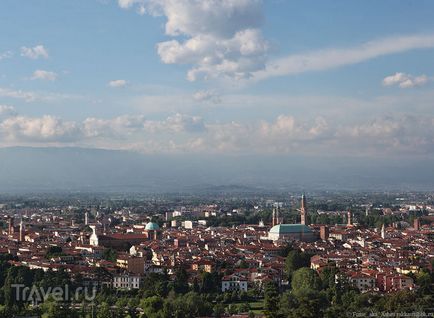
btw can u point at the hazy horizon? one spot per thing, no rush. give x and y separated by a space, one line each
188 94
94 170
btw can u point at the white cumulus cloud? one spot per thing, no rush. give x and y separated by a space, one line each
404 80
36 52
285 133
44 75
46 128
118 83
220 38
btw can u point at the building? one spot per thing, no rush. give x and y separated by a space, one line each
126 281
303 210
132 264
152 231
93 239
10 226
234 282
349 219
394 282
383 232
289 232
317 262
324 232
276 219
362 281
22 229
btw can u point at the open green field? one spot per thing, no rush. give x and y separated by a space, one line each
257 307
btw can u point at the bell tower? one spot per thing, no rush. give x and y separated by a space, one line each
303 210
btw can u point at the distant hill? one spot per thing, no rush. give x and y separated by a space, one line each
24 169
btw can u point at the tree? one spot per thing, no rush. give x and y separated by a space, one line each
208 283
152 305
52 309
218 310
287 303
328 277
109 254
104 311
311 303
296 260
243 308
423 280
271 299
305 279
181 281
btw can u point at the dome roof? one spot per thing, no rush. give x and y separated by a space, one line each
152 226
290 228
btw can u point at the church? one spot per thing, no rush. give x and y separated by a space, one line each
289 232
123 241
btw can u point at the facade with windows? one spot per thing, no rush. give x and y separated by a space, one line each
234 282
126 281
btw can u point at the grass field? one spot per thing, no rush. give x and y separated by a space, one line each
257 307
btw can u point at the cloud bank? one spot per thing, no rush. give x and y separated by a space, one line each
182 133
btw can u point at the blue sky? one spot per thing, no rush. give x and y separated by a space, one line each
219 76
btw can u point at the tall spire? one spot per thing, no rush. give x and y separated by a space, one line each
11 225
21 238
349 218
383 232
303 210
273 221
276 219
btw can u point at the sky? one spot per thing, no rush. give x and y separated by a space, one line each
222 77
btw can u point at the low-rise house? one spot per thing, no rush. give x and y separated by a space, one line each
234 282
126 281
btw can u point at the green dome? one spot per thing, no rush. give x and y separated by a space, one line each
151 226
290 228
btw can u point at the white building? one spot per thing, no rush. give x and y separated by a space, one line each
93 239
362 281
126 281
188 224
234 282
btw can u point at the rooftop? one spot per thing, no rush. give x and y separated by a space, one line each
290 228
